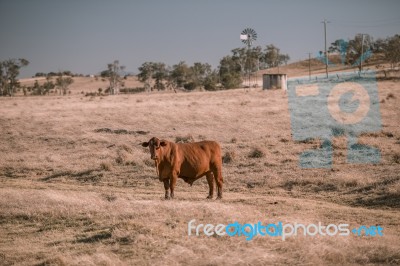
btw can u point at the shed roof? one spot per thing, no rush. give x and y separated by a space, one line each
275 74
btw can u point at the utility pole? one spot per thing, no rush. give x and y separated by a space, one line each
309 66
326 52
362 53
248 62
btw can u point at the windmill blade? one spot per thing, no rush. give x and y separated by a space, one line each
248 36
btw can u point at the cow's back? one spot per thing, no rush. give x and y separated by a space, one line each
198 157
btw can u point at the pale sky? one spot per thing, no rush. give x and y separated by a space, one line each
84 35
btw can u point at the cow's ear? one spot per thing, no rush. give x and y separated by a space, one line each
145 144
163 143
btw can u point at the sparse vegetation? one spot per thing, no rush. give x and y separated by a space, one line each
106 166
184 139
257 153
229 157
78 185
9 71
63 83
113 74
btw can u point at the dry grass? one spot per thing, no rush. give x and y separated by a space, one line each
73 194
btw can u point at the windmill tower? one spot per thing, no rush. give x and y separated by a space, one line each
248 36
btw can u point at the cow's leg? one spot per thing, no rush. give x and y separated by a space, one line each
166 186
174 178
210 180
219 180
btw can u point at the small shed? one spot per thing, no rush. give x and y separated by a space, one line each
274 81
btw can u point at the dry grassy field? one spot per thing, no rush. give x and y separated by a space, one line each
76 187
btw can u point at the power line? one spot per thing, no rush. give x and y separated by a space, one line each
367 24
367 21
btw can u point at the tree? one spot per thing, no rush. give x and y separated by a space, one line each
114 76
273 57
248 59
379 45
159 74
105 74
48 86
338 46
254 57
392 49
63 83
198 73
9 71
284 58
37 89
146 74
239 55
211 80
150 71
230 72
179 74
359 50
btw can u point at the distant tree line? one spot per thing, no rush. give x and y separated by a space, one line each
230 72
158 76
59 87
362 46
55 74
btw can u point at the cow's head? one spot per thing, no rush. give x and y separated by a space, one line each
155 145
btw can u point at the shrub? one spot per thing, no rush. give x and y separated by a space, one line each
190 86
185 139
229 157
257 153
132 90
106 166
396 158
390 96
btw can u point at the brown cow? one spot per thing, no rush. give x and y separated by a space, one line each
188 161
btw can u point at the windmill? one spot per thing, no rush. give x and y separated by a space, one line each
248 36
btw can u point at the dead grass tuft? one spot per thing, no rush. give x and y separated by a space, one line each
126 148
229 157
124 157
110 197
98 236
149 162
396 158
59 261
184 139
390 96
257 153
106 166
